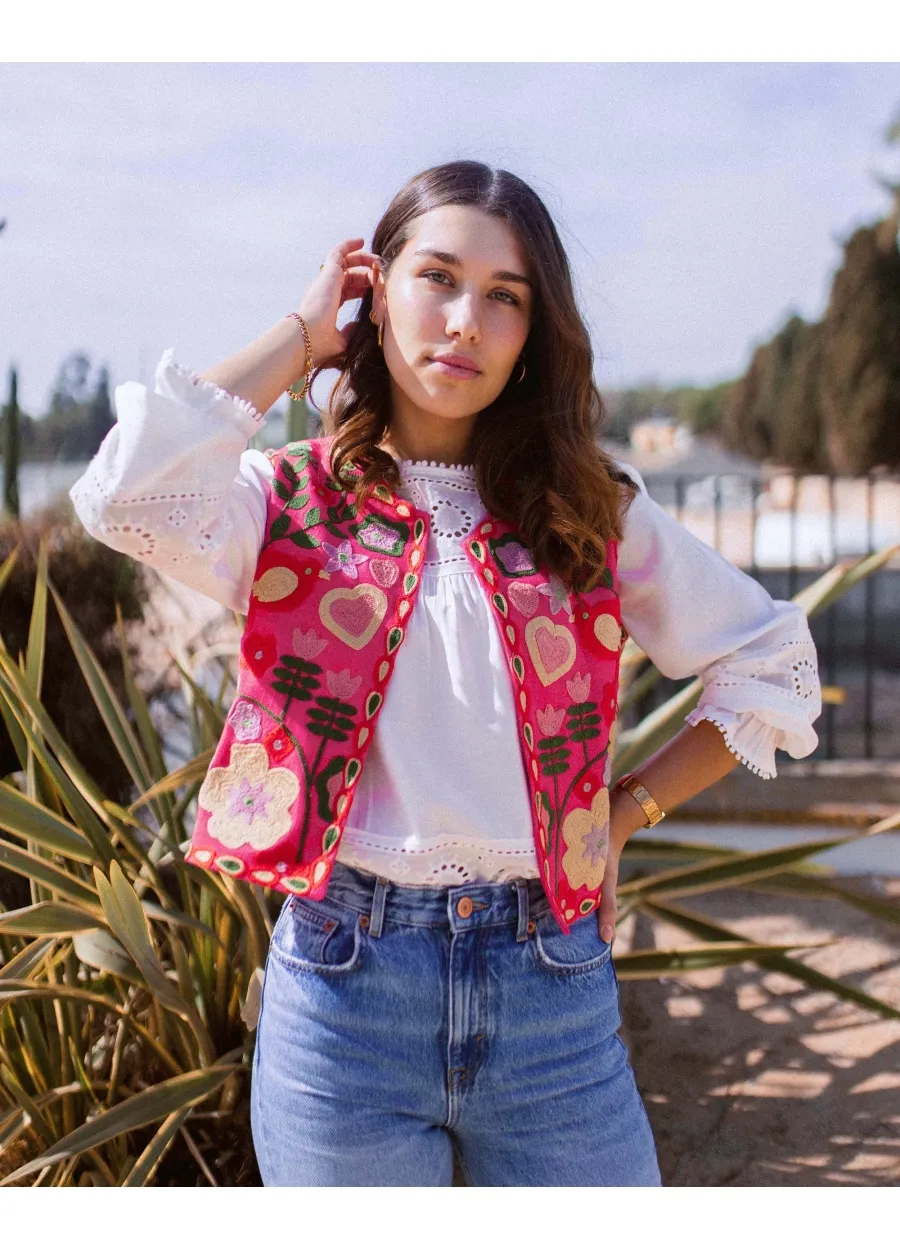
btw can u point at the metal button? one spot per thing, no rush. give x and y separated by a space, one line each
364 922
531 926
329 925
464 907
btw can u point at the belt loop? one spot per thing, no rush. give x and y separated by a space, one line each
377 917
522 891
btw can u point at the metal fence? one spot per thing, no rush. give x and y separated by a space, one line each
786 530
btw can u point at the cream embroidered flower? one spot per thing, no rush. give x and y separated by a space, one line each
249 802
585 832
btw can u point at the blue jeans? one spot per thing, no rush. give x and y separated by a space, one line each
394 1018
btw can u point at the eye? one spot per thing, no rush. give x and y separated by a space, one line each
509 298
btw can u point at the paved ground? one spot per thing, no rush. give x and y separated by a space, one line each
751 1078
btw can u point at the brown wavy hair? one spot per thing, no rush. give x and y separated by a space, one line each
535 451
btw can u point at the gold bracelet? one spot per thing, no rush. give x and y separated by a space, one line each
307 362
640 792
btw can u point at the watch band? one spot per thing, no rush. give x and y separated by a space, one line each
640 792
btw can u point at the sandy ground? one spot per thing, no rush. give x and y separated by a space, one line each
750 1077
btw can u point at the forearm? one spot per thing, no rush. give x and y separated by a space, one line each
694 759
267 367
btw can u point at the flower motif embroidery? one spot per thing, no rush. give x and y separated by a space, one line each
258 652
277 743
585 832
342 685
245 720
342 559
248 799
558 595
249 802
308 645
550 719
579 687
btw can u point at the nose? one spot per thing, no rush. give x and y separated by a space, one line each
463 318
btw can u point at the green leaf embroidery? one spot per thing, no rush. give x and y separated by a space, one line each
312 517
303 539
279 526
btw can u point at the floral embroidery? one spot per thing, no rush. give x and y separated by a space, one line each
277 743
343 559
259 652
513 557
388 538
585 833
550 719
249 802
308 645
579 687
342 685
245 720
558 595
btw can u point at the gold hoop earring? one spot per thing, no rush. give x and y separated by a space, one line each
380 327
522 374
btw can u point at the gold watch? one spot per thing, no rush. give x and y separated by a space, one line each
640 792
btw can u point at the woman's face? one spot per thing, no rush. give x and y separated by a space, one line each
473 300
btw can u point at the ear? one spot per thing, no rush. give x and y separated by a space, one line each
378 289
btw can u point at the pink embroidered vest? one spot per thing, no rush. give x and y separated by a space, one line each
327 614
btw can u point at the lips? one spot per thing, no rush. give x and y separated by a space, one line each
457 362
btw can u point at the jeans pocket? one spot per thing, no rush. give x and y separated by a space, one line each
580 950
318 936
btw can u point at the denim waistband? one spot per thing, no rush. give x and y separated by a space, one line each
456 907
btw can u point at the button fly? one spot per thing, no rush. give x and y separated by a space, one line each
464 907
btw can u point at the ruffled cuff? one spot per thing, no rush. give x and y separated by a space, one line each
772 709
176 382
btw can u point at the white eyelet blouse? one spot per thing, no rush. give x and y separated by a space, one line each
443 798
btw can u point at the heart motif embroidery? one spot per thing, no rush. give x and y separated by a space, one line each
385 572
551 647
524 598
353 614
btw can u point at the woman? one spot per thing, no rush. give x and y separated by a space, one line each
437 971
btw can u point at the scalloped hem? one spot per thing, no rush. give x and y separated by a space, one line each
724 730
169 362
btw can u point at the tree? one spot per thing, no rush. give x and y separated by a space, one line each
100 416
859 386
11 447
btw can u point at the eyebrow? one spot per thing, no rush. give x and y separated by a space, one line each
449 258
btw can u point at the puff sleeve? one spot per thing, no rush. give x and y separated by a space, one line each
174 485
694 613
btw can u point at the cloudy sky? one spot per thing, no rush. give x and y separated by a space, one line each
190 204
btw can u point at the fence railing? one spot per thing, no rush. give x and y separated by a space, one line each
785 529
